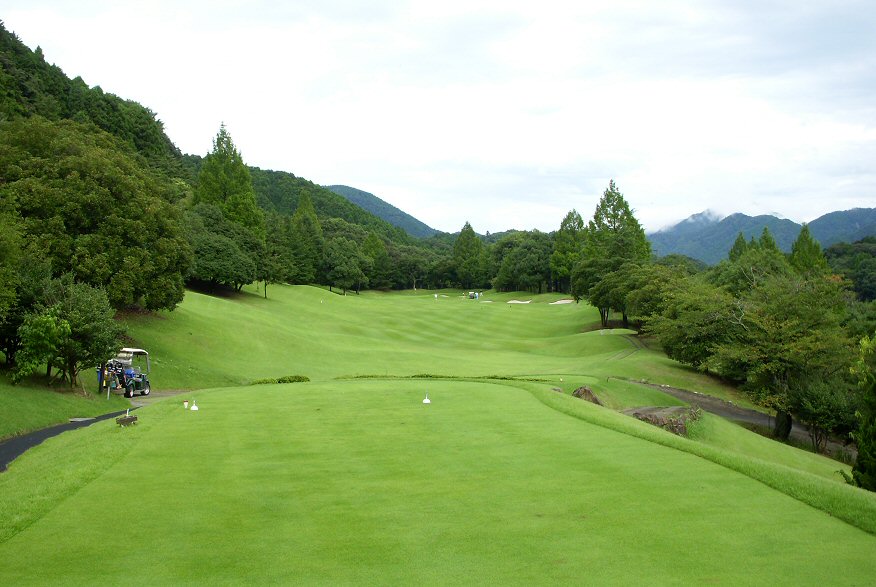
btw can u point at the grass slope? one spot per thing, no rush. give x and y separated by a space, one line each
347 481
356 482
24 408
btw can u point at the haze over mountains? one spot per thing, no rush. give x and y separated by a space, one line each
708 237
33 87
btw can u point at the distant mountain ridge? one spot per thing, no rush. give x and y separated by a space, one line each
384 210
707 237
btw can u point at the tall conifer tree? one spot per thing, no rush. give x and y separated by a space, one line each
308 241
224 180
806 254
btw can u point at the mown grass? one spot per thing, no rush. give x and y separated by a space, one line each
351 479
358 482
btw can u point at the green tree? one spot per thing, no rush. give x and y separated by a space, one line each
740 245
33 275
10 253
647 287
806 254
697 317
568 246
92 207
308 240
411 264
42 335
864 471
526 265
73 327
613 237
856 262
224 180
225 253
792 337
375 249
468 258
754 266
279 262
767 242
346 263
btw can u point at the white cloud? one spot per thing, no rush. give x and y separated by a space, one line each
507 114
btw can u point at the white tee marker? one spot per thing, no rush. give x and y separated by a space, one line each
427 400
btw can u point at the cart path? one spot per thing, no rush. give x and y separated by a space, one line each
14 447
730 411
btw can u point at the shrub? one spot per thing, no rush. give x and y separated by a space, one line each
284 379
293 379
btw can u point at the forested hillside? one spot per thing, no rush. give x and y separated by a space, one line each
708 238
384 210
31 86
280 191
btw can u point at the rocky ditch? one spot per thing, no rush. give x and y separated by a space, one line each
673 419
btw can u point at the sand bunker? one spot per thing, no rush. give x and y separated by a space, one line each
561 302
518 302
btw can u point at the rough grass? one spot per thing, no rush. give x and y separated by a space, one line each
357 482
27 407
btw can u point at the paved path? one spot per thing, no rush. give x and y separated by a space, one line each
731 411
12 448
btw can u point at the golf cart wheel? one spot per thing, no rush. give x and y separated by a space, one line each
129 391
145 390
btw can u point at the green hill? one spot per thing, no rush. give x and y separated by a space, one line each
384 210
280 190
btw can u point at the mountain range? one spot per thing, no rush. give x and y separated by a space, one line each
708 237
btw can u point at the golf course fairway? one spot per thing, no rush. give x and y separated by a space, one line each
351 479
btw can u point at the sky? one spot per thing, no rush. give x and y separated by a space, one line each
506 114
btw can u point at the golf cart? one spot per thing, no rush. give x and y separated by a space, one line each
127 373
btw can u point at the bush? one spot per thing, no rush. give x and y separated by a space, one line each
284 379
267 381
293 379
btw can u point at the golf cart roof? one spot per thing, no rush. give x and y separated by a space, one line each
133 352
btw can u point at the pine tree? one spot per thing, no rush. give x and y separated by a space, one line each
767 242
864 471
468 257
613 237
224 180
738 249
806 254
308 241
375 249
568 244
